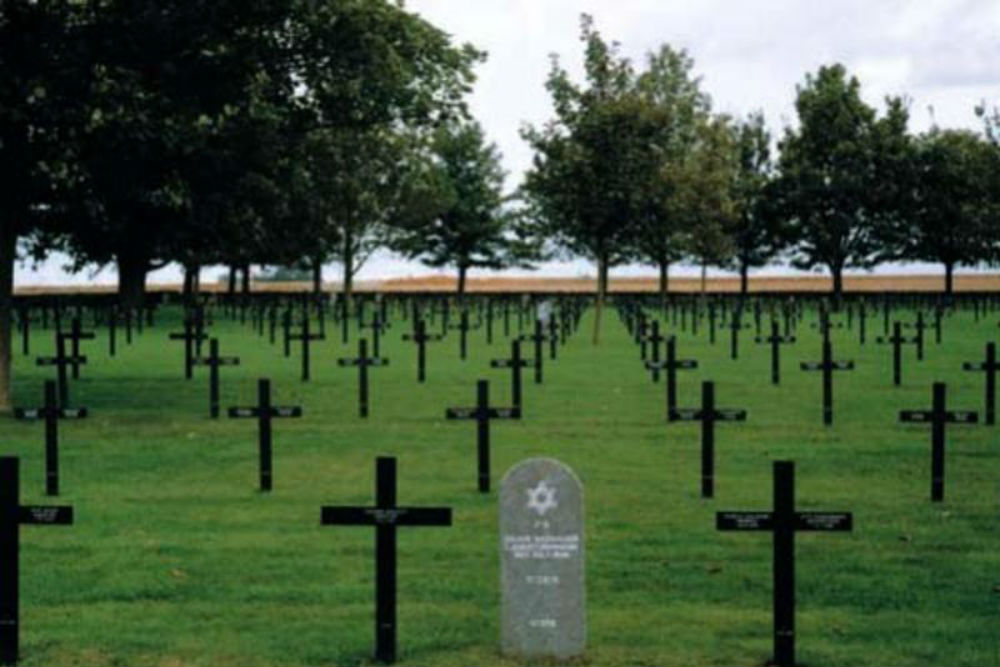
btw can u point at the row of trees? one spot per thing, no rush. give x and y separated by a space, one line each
279 132
635 167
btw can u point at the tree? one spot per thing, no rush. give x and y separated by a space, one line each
754 231
703 203
42 78
834 185
675 97
947 217
468 226
580 191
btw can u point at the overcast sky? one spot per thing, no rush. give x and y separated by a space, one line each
942 54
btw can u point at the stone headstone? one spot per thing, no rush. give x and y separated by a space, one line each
542 564
545 311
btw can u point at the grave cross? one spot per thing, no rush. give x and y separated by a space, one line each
189 336
776 340
386 517
306 338
214 362
363 361
671 365
51 413
537 338
12 515
897 341
421 338
483 413
75 335
708 415
938 417
783 522
827 366
61 361
989 367
515 364
265 412
655 338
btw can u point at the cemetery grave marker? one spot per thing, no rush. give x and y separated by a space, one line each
483 414
515 363
386 517
51 413
938 417
421 338
827 366
306 339
61 361
189 336
897 341
708 414
214 362
363 361
542 562
783 522
671 365
537 338
75 335
12 515
776 340
265 412
990 368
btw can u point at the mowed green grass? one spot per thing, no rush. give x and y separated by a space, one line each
177 559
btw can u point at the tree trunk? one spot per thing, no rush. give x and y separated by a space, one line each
188 289
232 280
132 270
317 275
838 285
602 290
462 272
744 280
664 285
704 278
348 282
8 254
245 284
949 278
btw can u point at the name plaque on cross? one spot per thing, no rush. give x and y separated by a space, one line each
542 561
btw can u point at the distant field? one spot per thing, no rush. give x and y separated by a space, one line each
176 559
529 283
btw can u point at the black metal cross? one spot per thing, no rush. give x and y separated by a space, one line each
783 521
537 338
827 366
989 367
515 363
190 334
12 515
671 365
306 338
938 417
483 413
776 340
708 415
898 340
363 361
75 335
61 361
421 338
655 338
51 413
386 517
265 412
214 362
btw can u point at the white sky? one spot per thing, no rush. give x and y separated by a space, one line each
942 54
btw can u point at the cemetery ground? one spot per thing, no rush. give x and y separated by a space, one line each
176 558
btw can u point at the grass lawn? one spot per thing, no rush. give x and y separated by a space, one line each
176 559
